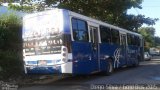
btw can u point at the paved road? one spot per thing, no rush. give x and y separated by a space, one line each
146 76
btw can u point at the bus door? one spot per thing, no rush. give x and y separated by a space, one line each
94 48
123 59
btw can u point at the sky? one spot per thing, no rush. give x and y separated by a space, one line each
150 8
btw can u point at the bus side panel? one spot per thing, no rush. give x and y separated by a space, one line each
107 51
133 53
81 57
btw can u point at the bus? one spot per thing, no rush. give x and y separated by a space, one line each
65 42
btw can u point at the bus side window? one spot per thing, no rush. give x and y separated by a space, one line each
115 36
129 39
105 34
133 41
80 30
137 41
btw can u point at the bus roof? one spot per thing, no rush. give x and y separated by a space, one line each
41 13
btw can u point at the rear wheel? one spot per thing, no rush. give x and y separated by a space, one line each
109 70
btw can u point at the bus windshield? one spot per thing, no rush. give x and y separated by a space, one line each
41 35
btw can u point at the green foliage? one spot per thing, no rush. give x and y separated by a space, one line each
132 22
110 11
9 1
27 6
10 46
148 34
157 41
10 64
21 8
50 2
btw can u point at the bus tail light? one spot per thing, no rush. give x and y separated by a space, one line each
24 54
64 53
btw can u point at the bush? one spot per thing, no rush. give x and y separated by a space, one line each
10 64
10 46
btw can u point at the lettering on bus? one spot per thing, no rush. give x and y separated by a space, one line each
117 54
43 45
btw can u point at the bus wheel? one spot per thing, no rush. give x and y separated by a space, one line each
109 70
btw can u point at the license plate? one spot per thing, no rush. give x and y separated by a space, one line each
42 62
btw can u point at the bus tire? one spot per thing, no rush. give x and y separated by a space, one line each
110 69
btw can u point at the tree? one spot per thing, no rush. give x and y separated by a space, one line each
10 46
157 41
148 34
28 8
110 11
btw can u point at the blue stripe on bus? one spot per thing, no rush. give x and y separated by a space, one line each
49 61
44 70
35 62
31 62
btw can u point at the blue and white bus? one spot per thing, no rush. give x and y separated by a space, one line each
61 41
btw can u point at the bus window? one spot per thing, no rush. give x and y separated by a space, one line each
137 40
115 36
133 41
105 34
80 31
129 39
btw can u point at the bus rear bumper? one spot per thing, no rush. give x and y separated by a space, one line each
42 69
